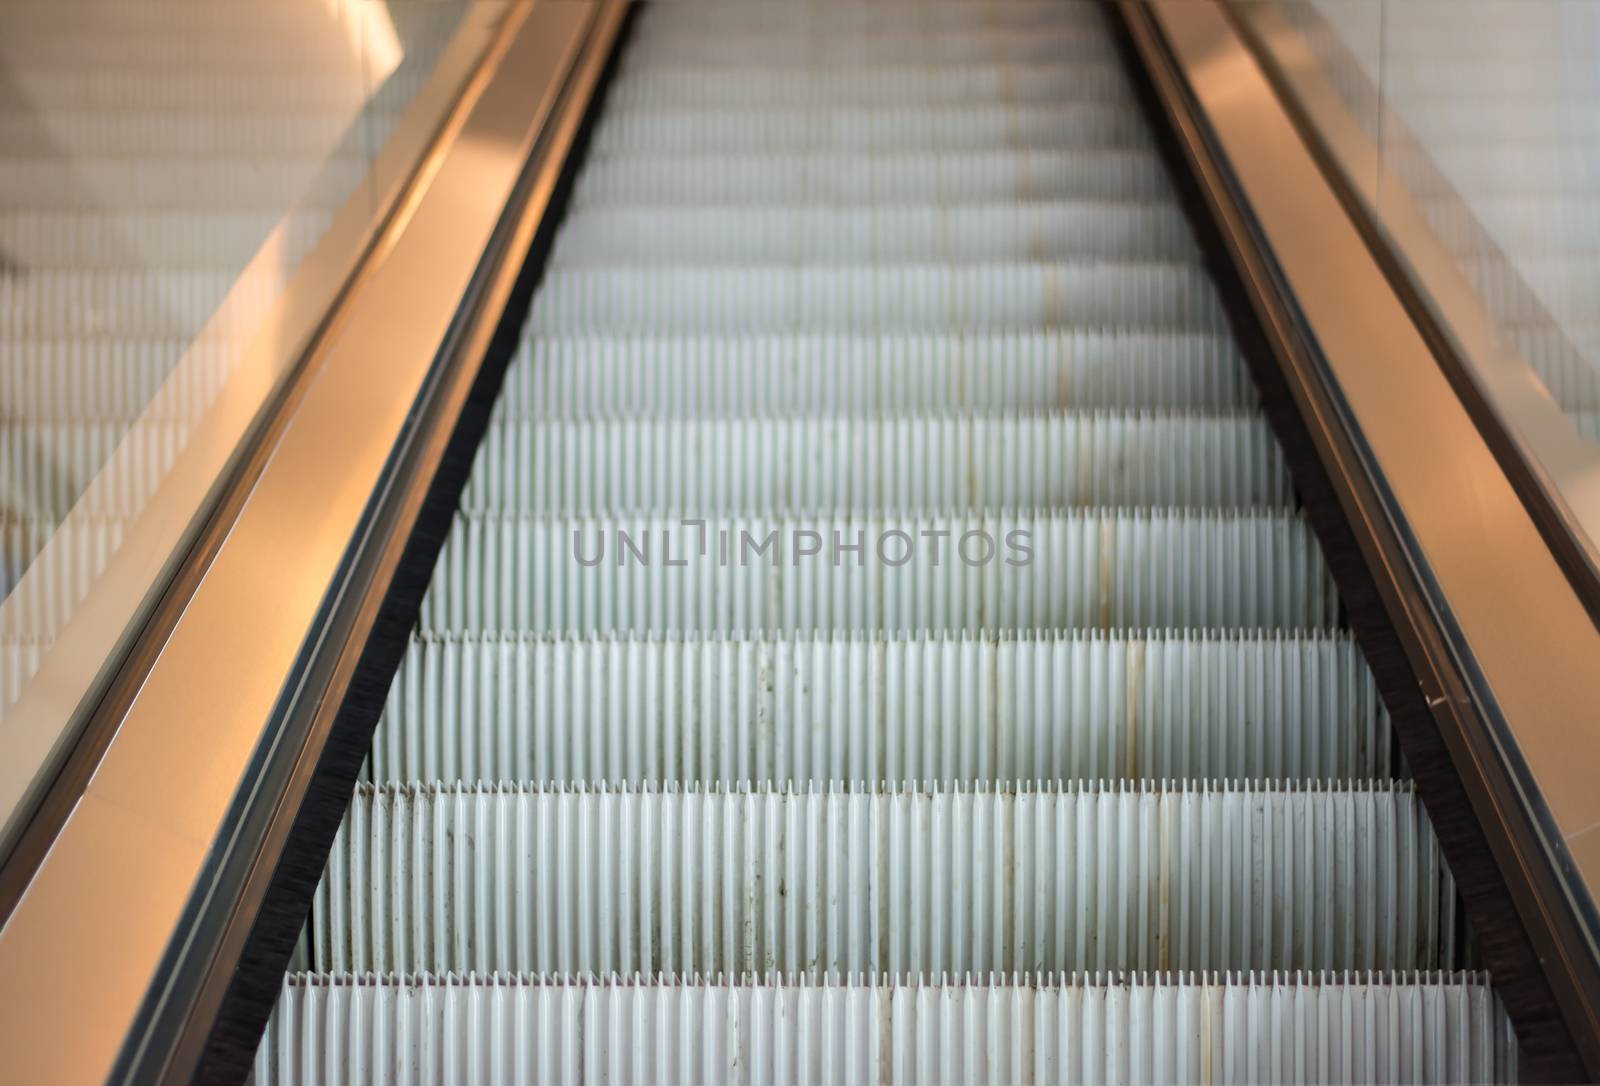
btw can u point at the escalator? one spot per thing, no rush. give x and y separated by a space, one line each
878 639
900 541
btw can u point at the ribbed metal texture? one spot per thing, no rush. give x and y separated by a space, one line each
223 183
1033 707
63 380
48 465
693 299
877 572
859 20
887 234
138 240
866 128
1080 877
753 49
1127 1029
821 375
1019 461
1013 174
686 87
86 545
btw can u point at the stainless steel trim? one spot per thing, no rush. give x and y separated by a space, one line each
43 726
253 663
1562 467
1503 647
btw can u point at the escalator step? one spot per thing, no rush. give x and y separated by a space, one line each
862 129
721 16
886 298
1084 876
110 379
48 304
1017 45
162 134
930 86
693 376
876 233
86 543
838 462
1038 707
51 464
945 177
1081 569
217 183
19 659
1123 1028
152 240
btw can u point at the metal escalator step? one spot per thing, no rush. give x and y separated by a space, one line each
1082 569
868 29
1066 45
19 659
884 298
111 379
944 177
837 462
1536 227
125 304
48 465
690 87
876 234
1013 878
151 242
1046 706
216 183
154 91
1114 1028
729 377
721 17
865 130
168 135
83 545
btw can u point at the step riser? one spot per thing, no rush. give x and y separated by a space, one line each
923 85
601 882
822 235
722 301
724 52
808 709
931 463
1437 1029
49 466
945 177
693 377
1090 570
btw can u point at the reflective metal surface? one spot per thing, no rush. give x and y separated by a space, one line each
179 212
1511 620
136 860
1467 132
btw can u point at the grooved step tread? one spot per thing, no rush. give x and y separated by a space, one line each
1127 1027
1042 706
1011 878
952 462
689 376
824 234
1147 296
947 177
1008 570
